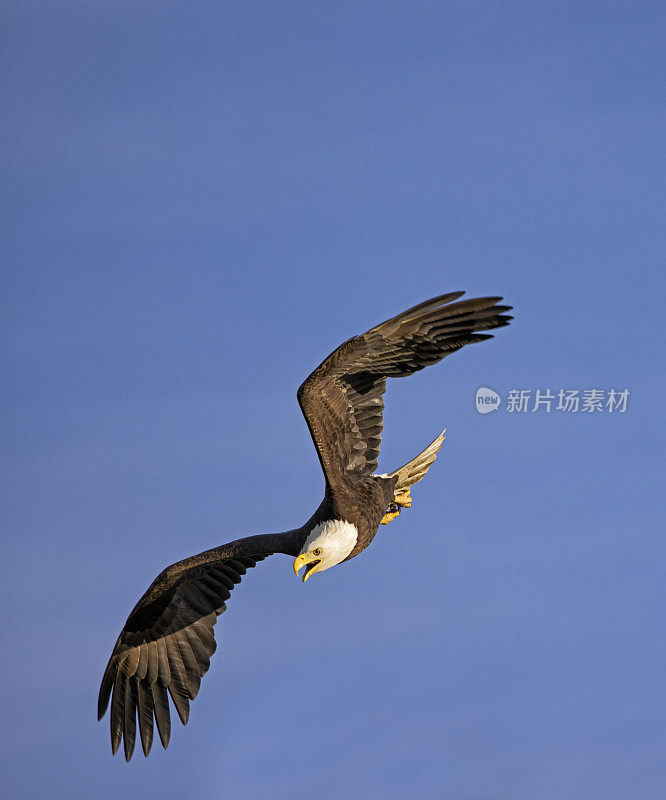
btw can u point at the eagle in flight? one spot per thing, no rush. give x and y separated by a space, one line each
166 644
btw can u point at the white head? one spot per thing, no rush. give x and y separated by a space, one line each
328 544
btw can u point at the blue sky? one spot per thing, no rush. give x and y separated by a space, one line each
201 201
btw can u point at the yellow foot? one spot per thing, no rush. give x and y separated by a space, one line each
401 500
404 499
391 514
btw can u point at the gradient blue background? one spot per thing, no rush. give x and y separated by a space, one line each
201 201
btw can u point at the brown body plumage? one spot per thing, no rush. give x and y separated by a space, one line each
166 644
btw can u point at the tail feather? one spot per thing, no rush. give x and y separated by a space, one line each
414 470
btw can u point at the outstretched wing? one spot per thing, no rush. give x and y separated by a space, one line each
166 644
342 400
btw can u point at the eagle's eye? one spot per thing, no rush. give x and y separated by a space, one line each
316 552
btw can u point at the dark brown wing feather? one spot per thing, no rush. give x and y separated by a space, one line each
167 642
342 400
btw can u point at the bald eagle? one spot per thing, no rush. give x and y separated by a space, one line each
166 644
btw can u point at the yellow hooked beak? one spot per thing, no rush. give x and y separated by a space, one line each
310 562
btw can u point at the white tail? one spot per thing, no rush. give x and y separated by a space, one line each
414 470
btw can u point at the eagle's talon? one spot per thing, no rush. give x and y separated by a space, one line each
389 516
404 499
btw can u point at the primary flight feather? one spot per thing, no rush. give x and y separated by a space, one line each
165 646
